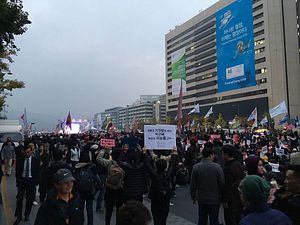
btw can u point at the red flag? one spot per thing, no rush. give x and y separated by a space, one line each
179 112
69 121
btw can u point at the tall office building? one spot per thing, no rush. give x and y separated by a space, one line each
239 55
146 109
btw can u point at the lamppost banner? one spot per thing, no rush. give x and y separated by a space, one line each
178 59
235 46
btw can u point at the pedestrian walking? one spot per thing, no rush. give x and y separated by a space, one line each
27 177
207 183
86 184
8 155
233 173
114 183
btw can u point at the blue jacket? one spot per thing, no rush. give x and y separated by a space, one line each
263 214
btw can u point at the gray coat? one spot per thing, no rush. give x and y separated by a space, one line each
207 182
8 152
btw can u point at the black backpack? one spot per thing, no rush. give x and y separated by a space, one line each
85 181
162 189
182 176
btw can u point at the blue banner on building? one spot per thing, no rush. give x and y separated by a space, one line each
235 46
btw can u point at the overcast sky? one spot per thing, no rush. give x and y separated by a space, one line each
86 56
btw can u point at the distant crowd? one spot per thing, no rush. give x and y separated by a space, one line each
254 177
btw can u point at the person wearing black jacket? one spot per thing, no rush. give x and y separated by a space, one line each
87 181
135 182
57 164
233 173
160 190
63 207
192 156
27 176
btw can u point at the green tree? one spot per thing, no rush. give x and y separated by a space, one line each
220 121
13 21
206 123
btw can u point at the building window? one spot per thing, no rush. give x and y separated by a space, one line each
260 60
261 81
259 42
258 33
258 16
260 50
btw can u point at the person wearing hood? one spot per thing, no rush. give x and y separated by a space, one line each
254 192
86 184
63 207
255 166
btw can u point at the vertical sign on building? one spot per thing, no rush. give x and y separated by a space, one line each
178 59
235 46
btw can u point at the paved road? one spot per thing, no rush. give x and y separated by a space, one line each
182 213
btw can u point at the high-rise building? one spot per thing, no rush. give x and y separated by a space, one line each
146 109
268 48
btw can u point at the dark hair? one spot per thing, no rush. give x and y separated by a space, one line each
84 157
133 213
161 165
268 167
57 155
208 145
193 141
229 150
207 152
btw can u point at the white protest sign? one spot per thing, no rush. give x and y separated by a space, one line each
265 149
160 136
279 151
275 167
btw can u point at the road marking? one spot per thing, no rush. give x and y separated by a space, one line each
6 203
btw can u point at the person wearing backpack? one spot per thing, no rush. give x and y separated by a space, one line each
86 183
160 190
114 183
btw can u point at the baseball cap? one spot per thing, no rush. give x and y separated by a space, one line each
63 176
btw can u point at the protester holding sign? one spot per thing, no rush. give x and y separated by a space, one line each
160 190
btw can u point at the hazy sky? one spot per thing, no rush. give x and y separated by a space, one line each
86 56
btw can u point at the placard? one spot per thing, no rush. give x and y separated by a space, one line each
265 149
279 151
108 142
160 137
215 136
275 167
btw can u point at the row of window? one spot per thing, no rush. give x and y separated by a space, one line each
223 98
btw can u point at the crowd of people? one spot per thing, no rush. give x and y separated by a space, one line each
255 177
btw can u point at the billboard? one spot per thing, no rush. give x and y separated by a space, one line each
178 59
235 46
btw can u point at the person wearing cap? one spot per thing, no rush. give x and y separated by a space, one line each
207 183
254 192
288 199
63 207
